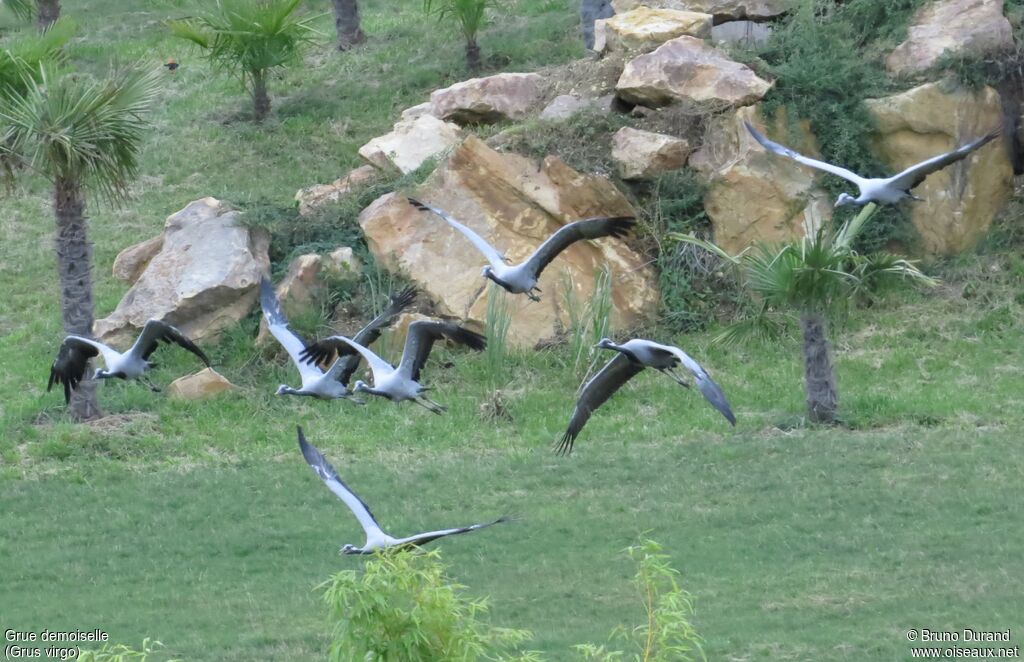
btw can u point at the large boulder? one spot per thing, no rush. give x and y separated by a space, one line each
754 196
687 69
132 261
202 385
203 280
951 26
645 154
961 200
643 29
410 144
313 197
491 99
516 204
722 10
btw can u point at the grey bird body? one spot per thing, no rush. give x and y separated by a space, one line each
331 384
522 278
885 191
68 368
401 383
376 538
633 356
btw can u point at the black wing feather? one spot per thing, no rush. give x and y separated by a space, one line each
422 336
465 529
316 460
323 351
68 368
595 393
164 332
370 333
712 392
914 175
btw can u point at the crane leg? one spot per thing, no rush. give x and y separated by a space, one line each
679 380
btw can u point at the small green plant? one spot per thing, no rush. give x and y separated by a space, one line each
122 653
402 607
589 321
249 38
497 322
667 635
471 16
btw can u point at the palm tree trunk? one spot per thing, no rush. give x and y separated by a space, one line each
472 54
819 376
346 20
260 98
74 264
48 11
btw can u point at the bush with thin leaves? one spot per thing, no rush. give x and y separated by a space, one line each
667 635
813 280
249 38
589 321
402 607
123 653
471 16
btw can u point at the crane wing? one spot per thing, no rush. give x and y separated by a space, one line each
595 393
782 150
591 228
322 468
420 340
914 175
493 256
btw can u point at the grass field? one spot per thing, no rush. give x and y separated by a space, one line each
200 525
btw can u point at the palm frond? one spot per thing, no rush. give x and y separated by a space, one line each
844 238
68 128
471 15
27 51
706 245
248 37
768 325
23 9
881 272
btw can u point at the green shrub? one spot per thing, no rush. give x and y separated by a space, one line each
693 290
121 653
667 634
402 607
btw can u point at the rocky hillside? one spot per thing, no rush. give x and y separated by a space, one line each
664 93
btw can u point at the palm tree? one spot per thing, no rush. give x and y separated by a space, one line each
250 38
471 15
45 11
346 20
814 279
83 136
